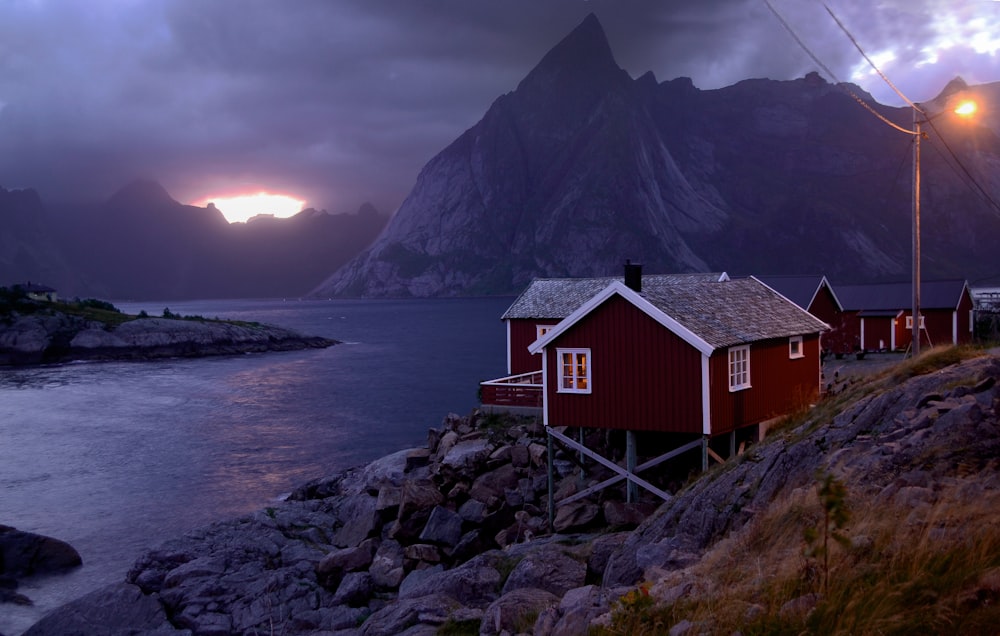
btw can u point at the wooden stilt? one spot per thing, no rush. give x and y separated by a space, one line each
583 473
631 489
552 482
611 481
704 453
732 444
610 465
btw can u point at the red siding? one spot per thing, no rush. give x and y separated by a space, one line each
523 333
825 308
878 330
778 384
643 377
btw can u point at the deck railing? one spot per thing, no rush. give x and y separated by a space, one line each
523 390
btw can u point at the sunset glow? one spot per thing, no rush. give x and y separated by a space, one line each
240 207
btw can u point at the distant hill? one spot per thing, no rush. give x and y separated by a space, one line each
582 167
142 244
28 251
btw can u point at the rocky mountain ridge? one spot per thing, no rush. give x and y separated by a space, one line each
453 533
142 244
581 167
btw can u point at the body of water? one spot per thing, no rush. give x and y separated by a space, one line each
115 457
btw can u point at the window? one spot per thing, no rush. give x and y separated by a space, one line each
739 368
541 330
795 347
909 322
574 370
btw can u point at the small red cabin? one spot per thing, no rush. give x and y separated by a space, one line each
816 295
879 316
697 356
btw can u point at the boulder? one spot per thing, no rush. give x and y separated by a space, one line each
548 568
119 608
355 589
474 583
387 565
360 519
516 611
396 618
578 515
332 568
444 527
492 486
25 553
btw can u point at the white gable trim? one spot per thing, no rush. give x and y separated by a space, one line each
618 287
508 347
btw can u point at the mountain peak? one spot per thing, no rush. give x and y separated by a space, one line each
585 50
142 191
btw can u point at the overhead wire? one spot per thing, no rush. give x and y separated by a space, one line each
843 86
968 174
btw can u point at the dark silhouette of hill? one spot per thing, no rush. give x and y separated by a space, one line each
142 244
582 167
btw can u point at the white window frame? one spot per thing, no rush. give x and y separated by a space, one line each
541 330
795 350
576 377
909 322
739 368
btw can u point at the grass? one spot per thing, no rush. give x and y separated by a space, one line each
904 572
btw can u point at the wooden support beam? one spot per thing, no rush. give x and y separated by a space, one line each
607 463
611 481
631 490
714 455
552 485
732 443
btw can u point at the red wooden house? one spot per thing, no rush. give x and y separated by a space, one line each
541 306
815 295
696 356
879 316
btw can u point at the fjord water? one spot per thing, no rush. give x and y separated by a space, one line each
116 457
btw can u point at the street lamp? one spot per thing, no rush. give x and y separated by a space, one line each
965 108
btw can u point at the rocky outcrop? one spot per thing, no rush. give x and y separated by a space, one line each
48 336
25 554
455 533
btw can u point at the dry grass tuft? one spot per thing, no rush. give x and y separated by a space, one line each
930 569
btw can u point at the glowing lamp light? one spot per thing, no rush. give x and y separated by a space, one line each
241 207
966 108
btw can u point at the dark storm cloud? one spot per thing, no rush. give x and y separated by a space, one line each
343 101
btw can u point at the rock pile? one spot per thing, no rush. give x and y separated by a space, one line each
452 532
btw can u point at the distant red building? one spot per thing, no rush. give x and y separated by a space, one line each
816 295
879 316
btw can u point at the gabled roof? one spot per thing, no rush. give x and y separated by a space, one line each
934 294
708 314
801 290
556 298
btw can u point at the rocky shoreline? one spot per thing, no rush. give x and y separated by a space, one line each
56 337
455 534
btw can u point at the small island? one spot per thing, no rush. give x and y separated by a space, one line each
42 331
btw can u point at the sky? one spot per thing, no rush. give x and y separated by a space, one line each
341 102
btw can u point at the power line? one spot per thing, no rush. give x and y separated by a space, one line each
841 85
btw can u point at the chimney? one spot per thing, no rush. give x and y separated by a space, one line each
633 275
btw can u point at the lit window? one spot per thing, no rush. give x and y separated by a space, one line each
795 347
541 330
574 370
909 322
739 368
